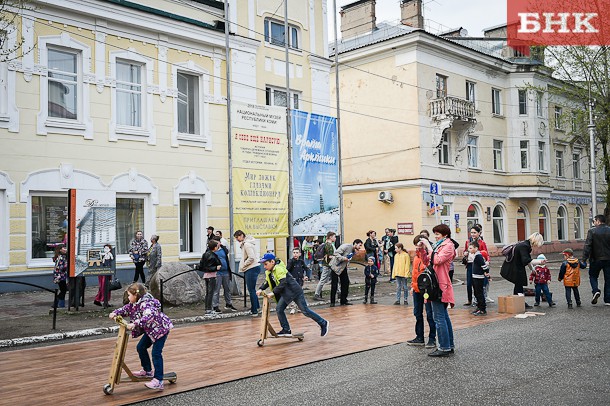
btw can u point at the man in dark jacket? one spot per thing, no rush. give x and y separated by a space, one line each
210 264
285 289
597 249
296 266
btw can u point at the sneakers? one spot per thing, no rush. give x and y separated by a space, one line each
373 301
97 303
468 304
284 333
596 296
230 307
440 353
606 304
397 302
155 384
406 303
143 374
431 344
217 310
569 305
480 313
528 306
537 304
254 314
293 311
324 328
552 304
317 297
416 341
209 312
489 300
577 304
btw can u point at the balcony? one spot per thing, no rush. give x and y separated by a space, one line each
452 107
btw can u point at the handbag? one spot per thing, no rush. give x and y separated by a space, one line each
115 284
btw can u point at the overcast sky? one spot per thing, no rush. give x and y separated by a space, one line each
473 15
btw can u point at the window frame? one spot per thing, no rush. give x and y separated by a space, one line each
444 146
498 153
539 104
202 218
30 261
4 220
204 138
502 220
579 224
441 83
149 221
473 151
496 101
547 226
292 29
474 220
522 103
471 92
562 223
558 116
270 91
542 156
559 163
525 150
576 168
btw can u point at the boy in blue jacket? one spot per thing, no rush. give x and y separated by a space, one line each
371 272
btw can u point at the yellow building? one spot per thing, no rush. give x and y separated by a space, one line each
469 114
131 97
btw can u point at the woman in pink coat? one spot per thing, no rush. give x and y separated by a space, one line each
443 252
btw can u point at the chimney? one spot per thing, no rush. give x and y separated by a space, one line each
357 18
411 13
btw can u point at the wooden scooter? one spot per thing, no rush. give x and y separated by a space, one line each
267 328
118 362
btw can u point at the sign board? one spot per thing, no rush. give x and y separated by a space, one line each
457 217
429 198
435 188
404 228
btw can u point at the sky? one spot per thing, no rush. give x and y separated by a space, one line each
473 15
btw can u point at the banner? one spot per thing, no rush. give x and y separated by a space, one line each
315 174
260 169
93 216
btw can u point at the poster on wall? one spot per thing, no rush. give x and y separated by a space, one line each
260 169
94 232
315 174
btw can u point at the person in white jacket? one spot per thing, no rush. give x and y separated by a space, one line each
250 266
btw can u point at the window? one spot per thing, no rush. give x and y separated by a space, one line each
472 216
443 149
541 153
498 224
578 223
574 121
190 226
470 91
522 225
561 224
49 216
276 97
522 102
274 33
129 94
188 104
129 219
559 164
498 164
576 172
558 114
495 102
543 225
63 84
473 151
441 86
524 147
539 96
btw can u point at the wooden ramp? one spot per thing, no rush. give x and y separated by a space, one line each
75 373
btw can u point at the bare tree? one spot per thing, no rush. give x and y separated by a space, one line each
10 13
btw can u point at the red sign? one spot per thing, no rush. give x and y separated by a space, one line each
404 228
553 22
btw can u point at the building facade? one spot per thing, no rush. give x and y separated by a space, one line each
469 114
131 97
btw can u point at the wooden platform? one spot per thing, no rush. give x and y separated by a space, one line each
74 373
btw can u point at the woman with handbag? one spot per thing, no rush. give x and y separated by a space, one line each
103 291
138 253
443 252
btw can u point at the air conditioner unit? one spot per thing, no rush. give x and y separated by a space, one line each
385 197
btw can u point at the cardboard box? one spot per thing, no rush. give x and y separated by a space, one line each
501 304
515 304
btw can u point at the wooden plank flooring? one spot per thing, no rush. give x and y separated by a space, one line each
74 373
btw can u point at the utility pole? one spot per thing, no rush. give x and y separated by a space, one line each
288 128
591 128
340 180
228 81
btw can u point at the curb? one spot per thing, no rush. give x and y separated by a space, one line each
17 342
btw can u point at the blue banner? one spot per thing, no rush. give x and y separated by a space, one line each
315 174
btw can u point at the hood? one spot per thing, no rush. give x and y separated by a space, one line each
149 298
249 239
573 262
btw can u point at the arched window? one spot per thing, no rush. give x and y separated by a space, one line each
498 224
562 234
472 216
522 225
543 223
578 223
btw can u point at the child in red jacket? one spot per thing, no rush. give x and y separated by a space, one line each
541 275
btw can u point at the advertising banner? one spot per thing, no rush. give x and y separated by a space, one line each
315 174
94 232
260 169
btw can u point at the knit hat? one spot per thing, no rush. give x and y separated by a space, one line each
542 257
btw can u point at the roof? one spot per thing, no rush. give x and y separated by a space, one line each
383 32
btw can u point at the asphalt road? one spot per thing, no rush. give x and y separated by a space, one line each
561 358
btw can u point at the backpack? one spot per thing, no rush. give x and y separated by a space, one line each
509 251
320 254
428 286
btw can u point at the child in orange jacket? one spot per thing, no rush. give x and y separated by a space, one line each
570 274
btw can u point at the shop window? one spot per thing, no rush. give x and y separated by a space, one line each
190 226
129 220
49 224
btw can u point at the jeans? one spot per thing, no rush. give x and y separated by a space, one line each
594 270
210 287
251 278
569 290
479 293
547 293
308 264
418 312
324 278
157 354
334 282
139 272
369 284
402 284
302 305
444 329
469 282
222 281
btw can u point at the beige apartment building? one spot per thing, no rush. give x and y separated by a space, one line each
131 97
469 114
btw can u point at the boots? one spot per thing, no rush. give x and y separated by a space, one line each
365 300
373 300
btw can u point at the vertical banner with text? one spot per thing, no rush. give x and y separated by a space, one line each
260 169
315 174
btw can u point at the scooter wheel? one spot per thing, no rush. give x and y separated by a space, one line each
108 389
259 343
